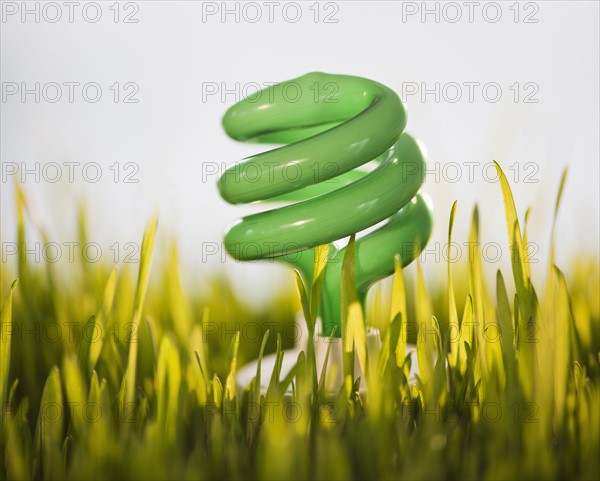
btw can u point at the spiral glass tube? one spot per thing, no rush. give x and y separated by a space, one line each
331 125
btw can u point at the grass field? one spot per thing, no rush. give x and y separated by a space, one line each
106 375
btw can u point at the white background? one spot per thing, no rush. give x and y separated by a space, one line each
173 53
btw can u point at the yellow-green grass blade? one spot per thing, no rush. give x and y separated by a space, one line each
555 321
27 286
17 445
76 391
519 255
202 348
353 324
307 310
439 370
93 335
168 383
505 321
217 390
321 256
230 400
466 334
289 377
487 332
255 394
175 298
48 460
453 325
476 279
202 384
98 399
257 379
389 347
426 350
304 300
273 387
83 238
5 343
22 269
321 388
398 308
140 296
562 343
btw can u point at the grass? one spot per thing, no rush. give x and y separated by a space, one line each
140 384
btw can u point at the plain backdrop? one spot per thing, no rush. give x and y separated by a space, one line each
185 63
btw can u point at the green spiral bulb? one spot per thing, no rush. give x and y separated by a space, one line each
331 125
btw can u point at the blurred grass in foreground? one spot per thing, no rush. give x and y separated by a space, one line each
116 377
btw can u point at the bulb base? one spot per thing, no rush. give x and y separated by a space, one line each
334 374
